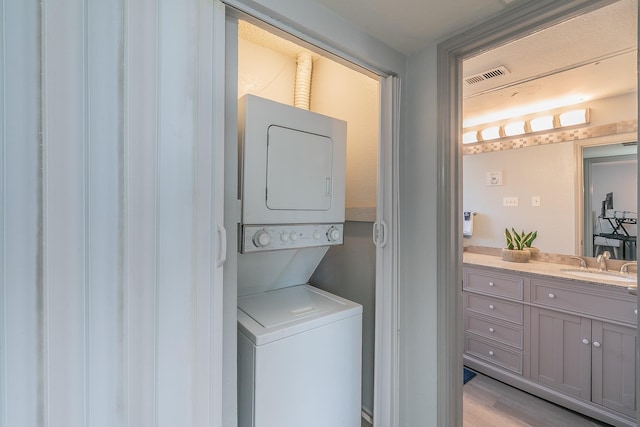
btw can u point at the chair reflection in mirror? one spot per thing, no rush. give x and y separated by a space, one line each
615 233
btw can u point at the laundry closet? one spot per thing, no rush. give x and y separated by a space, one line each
276 69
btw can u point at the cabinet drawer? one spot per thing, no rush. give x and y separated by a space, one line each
489 351
505 310
570 298
504 285
509 335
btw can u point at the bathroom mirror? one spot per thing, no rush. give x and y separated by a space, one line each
552 174
543 173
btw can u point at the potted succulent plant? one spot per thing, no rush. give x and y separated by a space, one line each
518 245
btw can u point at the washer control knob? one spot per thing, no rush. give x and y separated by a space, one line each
333 234
316 235
294 236
284 236
261 239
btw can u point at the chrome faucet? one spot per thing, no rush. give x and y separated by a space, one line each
583 263
624 268
602 261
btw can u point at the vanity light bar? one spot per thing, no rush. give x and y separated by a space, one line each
515 128
542 123
521 127
470 137
574 117
491 133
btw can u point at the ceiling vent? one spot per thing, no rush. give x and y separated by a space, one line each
486 75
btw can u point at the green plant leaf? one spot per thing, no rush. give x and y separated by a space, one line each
509 238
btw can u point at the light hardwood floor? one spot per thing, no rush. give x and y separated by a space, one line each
490 403
487 402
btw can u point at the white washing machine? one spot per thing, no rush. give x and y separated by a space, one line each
299 359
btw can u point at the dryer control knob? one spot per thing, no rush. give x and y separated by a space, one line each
294 236
285 236
316 235
333 234
261 239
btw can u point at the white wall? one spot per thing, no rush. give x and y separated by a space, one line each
265 72
613 110
547 171
620 178
106 277
354 97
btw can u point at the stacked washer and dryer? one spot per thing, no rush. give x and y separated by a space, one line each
299 347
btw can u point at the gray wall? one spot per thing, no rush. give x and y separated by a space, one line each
418 252
350 272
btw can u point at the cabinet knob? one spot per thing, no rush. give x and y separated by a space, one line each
491 307
490 352
552 296
491 330
491 284
596 344
635 311
585 341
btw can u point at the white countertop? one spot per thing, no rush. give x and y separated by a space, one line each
541 268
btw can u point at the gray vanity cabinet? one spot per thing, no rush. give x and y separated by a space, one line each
588 359
568 341
495 319
561 351
613 367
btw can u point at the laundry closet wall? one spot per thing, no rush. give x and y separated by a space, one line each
106 168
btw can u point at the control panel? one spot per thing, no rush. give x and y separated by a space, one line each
256 238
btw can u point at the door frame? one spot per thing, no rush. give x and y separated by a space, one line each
386 378
518 21
587 197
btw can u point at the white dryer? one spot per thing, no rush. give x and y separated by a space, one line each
299 359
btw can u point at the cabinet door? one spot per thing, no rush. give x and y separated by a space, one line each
561 352
614 370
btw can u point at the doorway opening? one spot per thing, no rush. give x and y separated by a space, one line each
521 21
610 170
262 60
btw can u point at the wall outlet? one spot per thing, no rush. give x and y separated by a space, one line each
535 201
510 201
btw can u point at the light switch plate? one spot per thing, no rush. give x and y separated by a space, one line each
494 178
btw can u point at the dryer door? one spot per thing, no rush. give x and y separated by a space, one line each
298 170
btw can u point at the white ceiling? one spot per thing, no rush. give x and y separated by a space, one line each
589 57
409 25
592 56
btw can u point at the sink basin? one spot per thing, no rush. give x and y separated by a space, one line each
602 275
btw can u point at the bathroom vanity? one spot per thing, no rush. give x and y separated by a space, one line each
567 339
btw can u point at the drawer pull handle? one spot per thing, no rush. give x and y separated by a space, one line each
491 330
491 284
596 344
585 341
552 296
491 307
490 352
